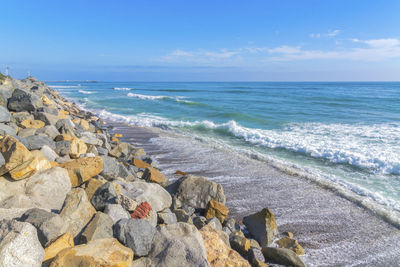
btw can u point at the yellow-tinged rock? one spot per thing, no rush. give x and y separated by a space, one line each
92 185
82 122
37 124
62 242
62 115
97 253
217 210
81 170
98 131
63 137
77 148
117 135
64 111
218 253
47 101
114 139
53 164
41 161
292 244
140 163
20 162
153 175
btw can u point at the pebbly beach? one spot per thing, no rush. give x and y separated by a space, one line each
79 189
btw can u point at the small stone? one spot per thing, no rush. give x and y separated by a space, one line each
254 244
104 195
262 226
199 221
240 244
127 203
64 241
101 226
216 209
140 164
291 244
166 217
19 244
48 153
288 234
47 101
62 148
282 256
32 124
81 170
155 176
116 212
99 252
182 216
136 234
214 223
77 147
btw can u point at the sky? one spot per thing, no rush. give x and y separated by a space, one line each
282 40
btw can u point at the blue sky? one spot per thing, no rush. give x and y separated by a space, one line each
202 40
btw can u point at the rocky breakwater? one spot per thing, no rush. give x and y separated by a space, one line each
72 194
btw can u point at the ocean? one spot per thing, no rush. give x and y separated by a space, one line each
342 136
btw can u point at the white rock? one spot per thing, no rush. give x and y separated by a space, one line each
19 245
49 153
116 212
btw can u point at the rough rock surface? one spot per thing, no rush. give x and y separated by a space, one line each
179 244
19 245
282 256
136 234
101 226
197 191
104 195
155 176
291 244
97 253
22 100
81 170
64 241
262 226
216 209
116 212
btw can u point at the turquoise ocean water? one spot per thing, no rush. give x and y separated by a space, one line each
342 135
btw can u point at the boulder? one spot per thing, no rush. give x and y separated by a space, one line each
46 101
81 170
36 142
77 211
5 115
262 225
4 96
104 195
48 189
158 198
19 244
63 147
26 132
7 130
22 116
183 216
179 244
92 185
48 153
48 225
77 147
282 256
197 191
255 255
49 130
199 221
91 139
136 234
166 217
140 163
99 252
47 118
32 124
291 244
20 163
112 169
240 243
214 223
64 241
101 226
116 212
218 253
155 176
121 150
217 210
22 100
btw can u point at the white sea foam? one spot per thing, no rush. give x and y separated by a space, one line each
64 86
122 88
86 92
155 97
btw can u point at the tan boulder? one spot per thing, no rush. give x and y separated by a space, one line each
62 114
47 101
81 170
218 253
20 162
153 175
97 253
292 244
77 148
140 163
29 123
64 241
83 123
262 225
92 185
216 209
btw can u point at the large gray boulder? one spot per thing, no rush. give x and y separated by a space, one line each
6 129
22 100
48 153
112 169
36 142
262 225
116 212
282 256
91 139
4 96
104 195
47 118
63 147
5 115
158 198
101 226
49 130
196 192
48 225
19 245
179 244
21 116
135 234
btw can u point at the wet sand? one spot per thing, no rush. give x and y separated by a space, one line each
334 231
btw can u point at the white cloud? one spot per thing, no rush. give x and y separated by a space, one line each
284 49
199 56
328 34
389 42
